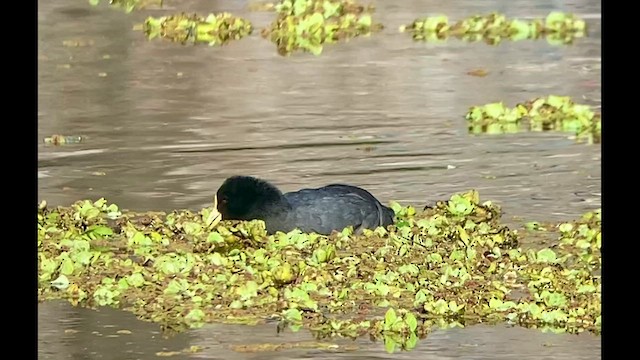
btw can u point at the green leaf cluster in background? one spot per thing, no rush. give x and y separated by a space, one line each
558 28
215 29
308 24
558 113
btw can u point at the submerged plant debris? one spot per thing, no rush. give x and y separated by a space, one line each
308 24
129 5
78 43
453 264
261 6
62 139
264 347
215 29
553 112
558 28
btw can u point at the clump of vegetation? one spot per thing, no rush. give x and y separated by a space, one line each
308 24
558 28
453 264
62 139
215 29
558 113
129 5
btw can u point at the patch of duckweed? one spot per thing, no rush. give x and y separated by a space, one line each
553 112
215 29
558 28
307 25
129 5
450 265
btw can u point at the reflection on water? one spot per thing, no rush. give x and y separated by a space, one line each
164 124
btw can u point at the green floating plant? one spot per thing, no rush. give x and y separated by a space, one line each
558 113
308 24
452 264
129 5
215 29
558 28
62 139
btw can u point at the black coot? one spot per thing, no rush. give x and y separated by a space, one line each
322 210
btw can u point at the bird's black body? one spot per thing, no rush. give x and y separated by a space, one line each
321 210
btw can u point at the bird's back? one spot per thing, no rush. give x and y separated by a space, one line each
335 207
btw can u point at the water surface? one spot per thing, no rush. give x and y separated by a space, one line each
65 332
168 123
164 124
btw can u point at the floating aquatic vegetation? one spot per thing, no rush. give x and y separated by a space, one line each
478 72
308 24
450 265
261 6
558 113
254 348
215 29
558 28
62 139
78 43
129 5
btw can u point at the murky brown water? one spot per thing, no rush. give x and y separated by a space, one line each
168 123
